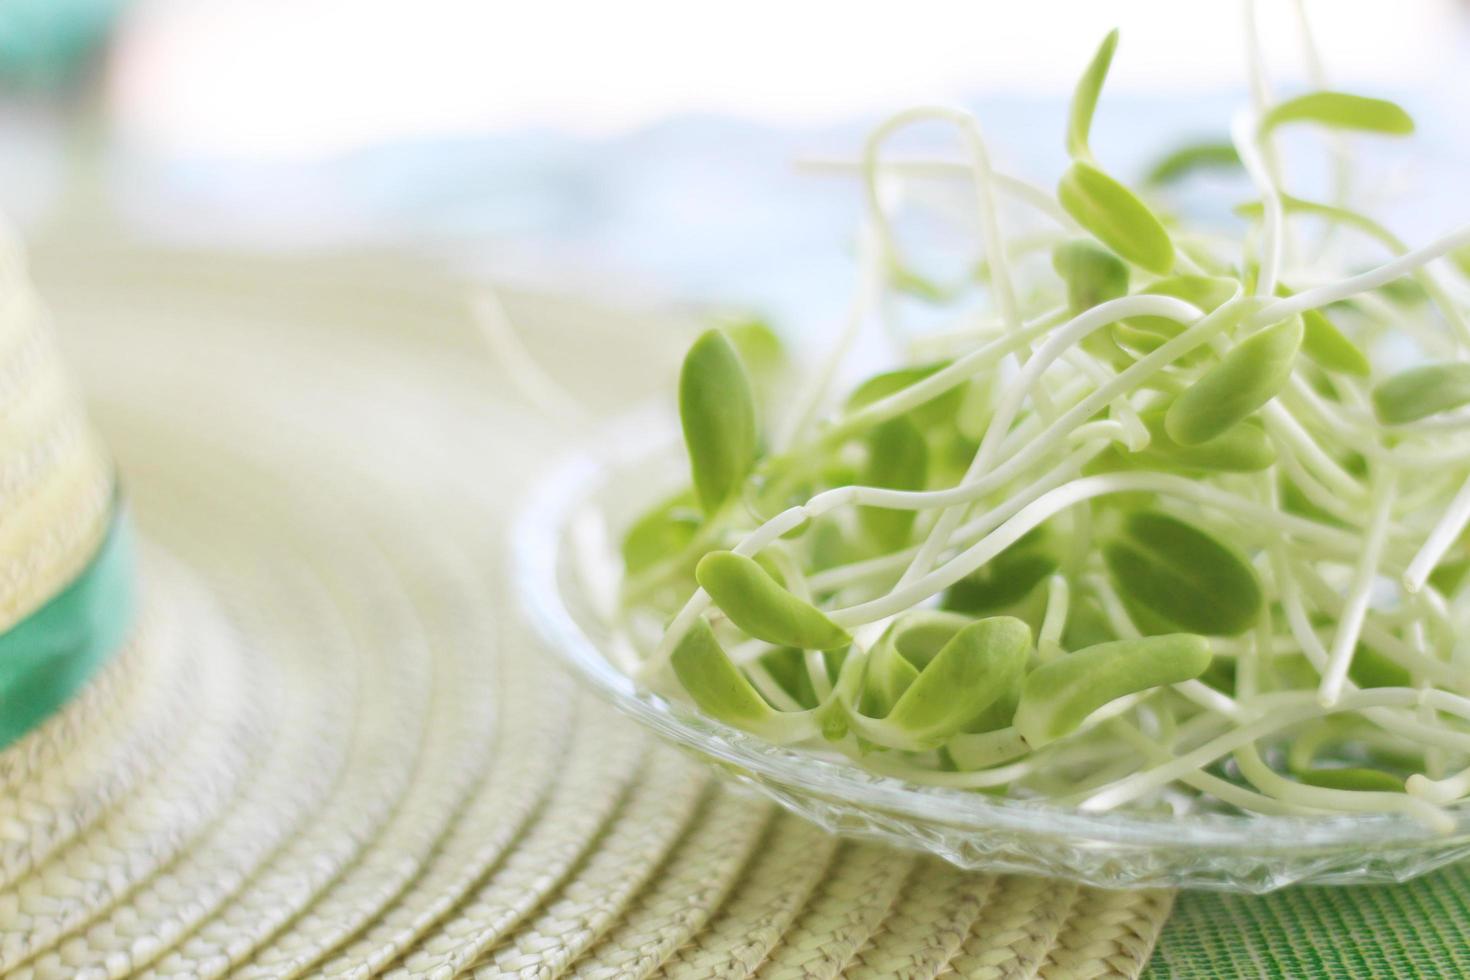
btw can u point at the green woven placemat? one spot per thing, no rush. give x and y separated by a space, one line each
1417 929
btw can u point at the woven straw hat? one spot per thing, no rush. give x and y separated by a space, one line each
305 734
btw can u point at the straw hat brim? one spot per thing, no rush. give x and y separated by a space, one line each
332 749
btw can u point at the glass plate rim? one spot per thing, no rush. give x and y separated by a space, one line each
537 531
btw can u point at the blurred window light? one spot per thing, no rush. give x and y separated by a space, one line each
291 78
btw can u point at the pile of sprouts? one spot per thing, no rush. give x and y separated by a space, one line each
1162 517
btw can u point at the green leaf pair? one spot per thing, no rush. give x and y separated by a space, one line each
758 604
1057 697
935 674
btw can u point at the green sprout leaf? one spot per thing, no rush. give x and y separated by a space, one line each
898 459
1178 574
1355 778
1421 392
935 411
1191 158
1005 580
1341 110
1084 99
1118 219
1372 669
1059 695
906 647
1145 334
1246 378
980 664
717 410
756 603
1100 510
1461 258
1242 448
759 346
663 531
715 683
1330 348
889 674
787 667
1093 274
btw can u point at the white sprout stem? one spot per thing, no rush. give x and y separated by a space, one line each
1311 299
1201 694
1446 531
1293 439
1355 578
1134 434
936 168
1037 512
1226 791
1316 654
1317 73
1442 791
769 688
1286 712
997 260
1059 341
969 130
1278 786
1424 275
864 298
1245 135
1054 619
944 379
1355 606
845 575
1269 521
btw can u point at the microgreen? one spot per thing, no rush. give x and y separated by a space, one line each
1145 503
1058 696
717 408
758 604
1247 377
1191 158
1093 274
1341 110
1084 99
1172 573
1117 217
1421 392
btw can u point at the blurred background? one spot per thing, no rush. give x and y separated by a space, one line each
643 147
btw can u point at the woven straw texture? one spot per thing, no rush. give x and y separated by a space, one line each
55 480
333 750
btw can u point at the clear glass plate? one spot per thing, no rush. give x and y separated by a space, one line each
566 525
